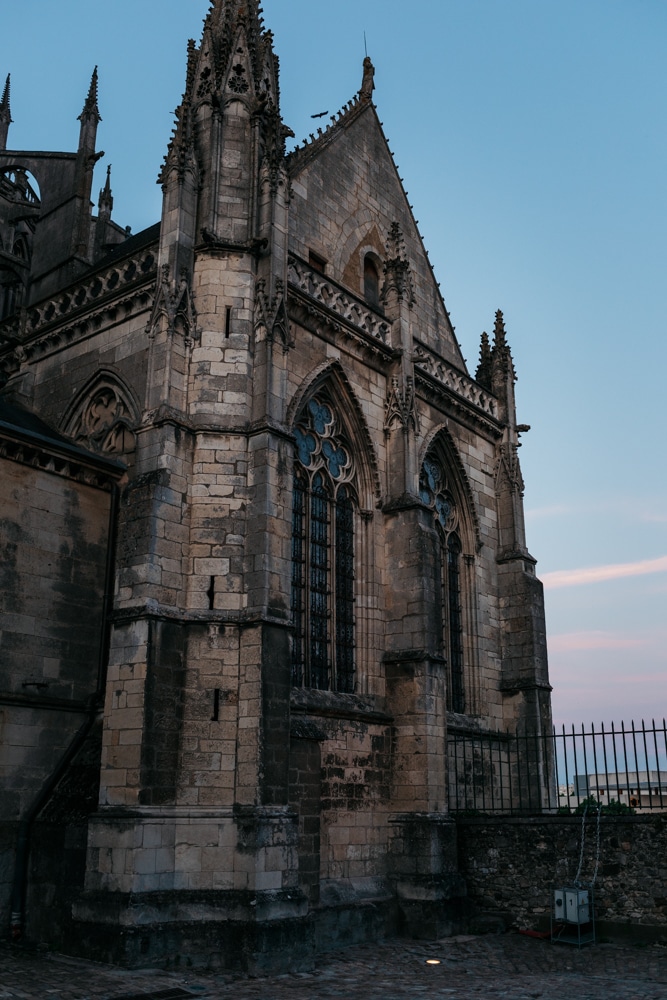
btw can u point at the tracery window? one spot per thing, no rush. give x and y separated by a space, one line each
102 421
323 517
434 492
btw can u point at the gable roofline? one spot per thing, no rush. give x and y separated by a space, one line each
302 156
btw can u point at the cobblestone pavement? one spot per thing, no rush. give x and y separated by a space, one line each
509 966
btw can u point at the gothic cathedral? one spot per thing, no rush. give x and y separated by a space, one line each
263 551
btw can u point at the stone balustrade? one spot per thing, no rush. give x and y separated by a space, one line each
330 295
455 380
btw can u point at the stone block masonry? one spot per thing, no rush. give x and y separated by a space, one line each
511 864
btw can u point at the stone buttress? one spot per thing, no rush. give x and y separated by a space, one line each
194 819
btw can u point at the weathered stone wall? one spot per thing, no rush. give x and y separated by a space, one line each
53 548
511 865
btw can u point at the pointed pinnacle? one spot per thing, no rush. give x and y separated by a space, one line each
90 107
106 197
483 374
499 339
5 111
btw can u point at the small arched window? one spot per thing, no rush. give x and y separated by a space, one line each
323 513
435 493
371 282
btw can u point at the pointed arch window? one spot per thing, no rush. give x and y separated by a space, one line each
371 282
323 533
435 493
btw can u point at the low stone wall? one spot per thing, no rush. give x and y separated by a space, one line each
511 865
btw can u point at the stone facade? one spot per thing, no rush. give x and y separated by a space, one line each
320 561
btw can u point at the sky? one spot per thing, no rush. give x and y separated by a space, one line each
532 137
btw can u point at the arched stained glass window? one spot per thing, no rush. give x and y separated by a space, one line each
323 514
435 493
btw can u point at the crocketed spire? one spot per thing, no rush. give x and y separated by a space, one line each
5 115
91 112
483 374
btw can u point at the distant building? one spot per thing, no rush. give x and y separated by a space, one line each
639 789
263 539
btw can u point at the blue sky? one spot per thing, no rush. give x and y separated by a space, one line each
532 138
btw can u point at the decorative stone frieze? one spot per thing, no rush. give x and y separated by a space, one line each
454 380
336 300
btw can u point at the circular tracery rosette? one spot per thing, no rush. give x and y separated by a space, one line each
434 493
319 445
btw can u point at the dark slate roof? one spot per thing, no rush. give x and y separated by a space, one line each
130 245
17 422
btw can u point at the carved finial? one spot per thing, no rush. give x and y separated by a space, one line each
483 375
90 108
180 149
499 338
502 366
5 112
5 115
397 271
105 203
368 82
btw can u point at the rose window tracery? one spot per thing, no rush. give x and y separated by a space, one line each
237 81
104 423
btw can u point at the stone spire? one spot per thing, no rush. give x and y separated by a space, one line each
5 115
502 366
86 159
90 118
180 151
105 204
223 23
483 374
91 112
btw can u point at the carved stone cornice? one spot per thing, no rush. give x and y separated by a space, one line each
59 461
428 388
325 307
456 381
337 300
79 310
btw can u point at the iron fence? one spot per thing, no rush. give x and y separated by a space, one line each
624 768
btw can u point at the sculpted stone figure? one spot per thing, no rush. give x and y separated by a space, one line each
368 82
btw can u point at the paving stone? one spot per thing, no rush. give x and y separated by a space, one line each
507 967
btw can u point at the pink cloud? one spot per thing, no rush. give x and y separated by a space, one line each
568 642
555 510
600 574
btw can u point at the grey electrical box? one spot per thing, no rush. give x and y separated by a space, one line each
573 914
577 908
572 905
